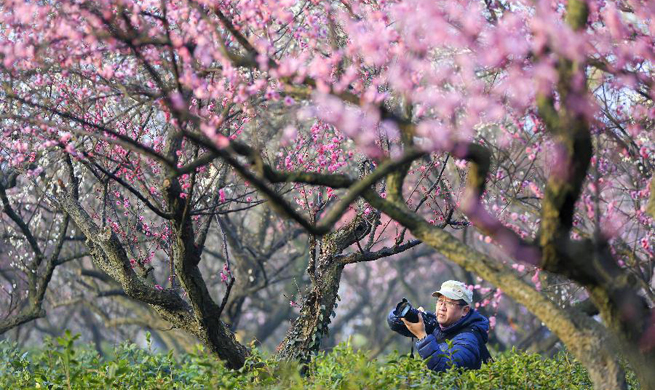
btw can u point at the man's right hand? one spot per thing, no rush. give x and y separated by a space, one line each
417 328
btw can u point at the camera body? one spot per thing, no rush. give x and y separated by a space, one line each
405 310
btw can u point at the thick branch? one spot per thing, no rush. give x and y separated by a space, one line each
358 257
109 255
479 159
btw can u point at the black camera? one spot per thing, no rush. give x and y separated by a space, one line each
405 310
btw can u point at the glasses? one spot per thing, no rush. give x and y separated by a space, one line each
449 304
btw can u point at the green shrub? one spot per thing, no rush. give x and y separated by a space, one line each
61 364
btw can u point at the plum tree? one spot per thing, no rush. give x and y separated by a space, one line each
530 121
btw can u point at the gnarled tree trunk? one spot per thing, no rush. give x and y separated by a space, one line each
198 314
325 269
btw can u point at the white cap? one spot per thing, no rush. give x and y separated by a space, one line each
455 290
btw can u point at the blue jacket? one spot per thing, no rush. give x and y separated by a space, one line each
467 347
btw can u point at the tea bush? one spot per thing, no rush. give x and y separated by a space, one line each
60 364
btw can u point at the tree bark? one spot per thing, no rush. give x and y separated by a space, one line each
305 334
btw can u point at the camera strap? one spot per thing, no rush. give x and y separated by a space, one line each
412 351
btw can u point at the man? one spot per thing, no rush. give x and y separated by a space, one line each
457 321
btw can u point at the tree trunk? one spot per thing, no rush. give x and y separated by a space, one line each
199 316
206 323
305 334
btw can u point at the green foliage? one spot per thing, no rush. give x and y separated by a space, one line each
63 365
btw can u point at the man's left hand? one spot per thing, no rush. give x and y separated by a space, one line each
417 328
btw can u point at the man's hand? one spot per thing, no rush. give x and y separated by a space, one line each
417 328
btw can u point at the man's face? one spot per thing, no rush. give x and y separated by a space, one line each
449 311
